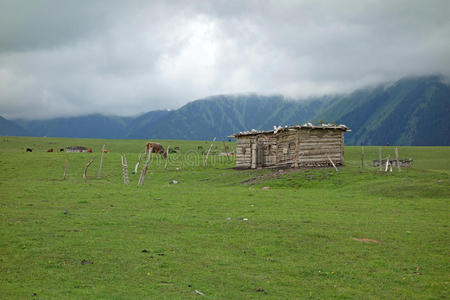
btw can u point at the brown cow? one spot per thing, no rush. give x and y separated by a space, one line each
50 150
157 148
89 150
105 151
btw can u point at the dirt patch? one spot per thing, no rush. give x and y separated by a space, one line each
267 177
366 240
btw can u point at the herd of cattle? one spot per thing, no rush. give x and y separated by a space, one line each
62 150
156 148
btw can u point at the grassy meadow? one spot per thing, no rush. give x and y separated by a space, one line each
219 233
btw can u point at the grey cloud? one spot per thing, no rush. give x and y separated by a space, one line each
61 58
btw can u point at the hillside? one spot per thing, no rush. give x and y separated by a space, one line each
10 128
220 116
91 126
412 111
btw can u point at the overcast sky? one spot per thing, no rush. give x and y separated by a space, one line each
67 58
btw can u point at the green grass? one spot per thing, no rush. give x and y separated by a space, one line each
297 242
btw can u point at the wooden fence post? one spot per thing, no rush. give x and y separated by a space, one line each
207 154
396 158
85 169
144 169
379 159
126 180
362 157
101 162
66 163
388 164
167 157
137 164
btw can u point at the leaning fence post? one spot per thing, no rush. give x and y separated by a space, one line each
144 169
332 163
207 154
101 162
396 158
85 169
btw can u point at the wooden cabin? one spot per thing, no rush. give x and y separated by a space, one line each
295 146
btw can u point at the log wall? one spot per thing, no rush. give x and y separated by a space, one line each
316 145
243 152
294 148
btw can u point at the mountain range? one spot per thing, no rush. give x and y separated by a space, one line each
411 111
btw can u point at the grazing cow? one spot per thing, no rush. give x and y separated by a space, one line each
50 150
104 151
199 148
29 150
89 150
157 148
177 148
61 150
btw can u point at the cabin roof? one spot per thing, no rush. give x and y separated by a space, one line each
280 129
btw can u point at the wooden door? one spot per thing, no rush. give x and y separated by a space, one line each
259 155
